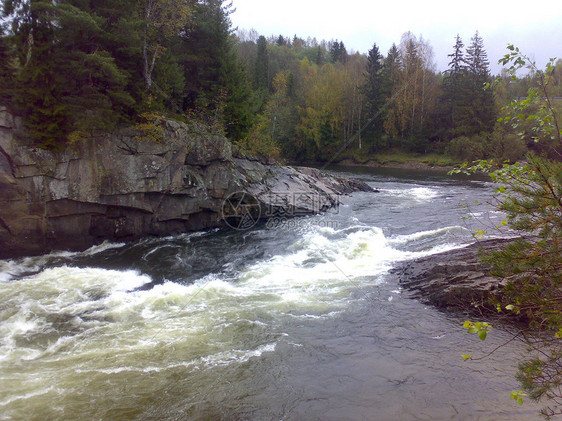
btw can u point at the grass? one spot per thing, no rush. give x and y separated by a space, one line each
402 158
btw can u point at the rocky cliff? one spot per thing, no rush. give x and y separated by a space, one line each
121 187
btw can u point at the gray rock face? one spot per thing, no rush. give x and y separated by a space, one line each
453 279
120 187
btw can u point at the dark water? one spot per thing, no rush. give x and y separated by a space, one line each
295 321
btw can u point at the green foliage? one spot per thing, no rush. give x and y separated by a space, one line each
374 96
92 65
74 67
530 194
261 71
338 52
7 70
68 85
517 396
479 328
468 148
467 106
149 127
506 146
535 117
500 146
533 204
259 142
217 87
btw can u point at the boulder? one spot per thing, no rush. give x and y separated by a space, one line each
453 279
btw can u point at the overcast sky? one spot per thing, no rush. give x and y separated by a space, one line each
534 26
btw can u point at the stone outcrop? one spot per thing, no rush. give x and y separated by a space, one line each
453 279
121 187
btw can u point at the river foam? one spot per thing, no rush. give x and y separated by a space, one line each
95 322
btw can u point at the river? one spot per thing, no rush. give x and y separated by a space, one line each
292 320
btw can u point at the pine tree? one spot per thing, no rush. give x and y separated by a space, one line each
373 91
217 86
96 94
477 58
456 93
343 53
483 110
261 69
391 74
320 56
338 52
390 70
457 65
37 94
6 71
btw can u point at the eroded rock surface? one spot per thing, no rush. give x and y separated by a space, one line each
453 279
121 187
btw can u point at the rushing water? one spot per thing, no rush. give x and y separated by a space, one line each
296 321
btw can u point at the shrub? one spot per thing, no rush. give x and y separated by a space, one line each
469 149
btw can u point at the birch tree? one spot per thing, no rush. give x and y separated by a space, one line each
162 20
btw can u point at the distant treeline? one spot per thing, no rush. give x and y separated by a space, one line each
75 67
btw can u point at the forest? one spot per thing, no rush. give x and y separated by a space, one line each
75 68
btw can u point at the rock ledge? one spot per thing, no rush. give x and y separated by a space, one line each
120 187
454 279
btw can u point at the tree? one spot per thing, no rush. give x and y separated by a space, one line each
96 94
412 96
217 86
456 95
391 87
281 41
338 51
468 106
531 196
275 126
261 68
6 70
374 95
163 19
412 68
68 83
483 110
458 64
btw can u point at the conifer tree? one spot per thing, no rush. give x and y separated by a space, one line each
261 72
6 70
456 92
217 85
343 53
320 56
468 108
482 109
338 52
390 70
373 91
391 75
458 63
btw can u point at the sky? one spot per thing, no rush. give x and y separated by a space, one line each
534 26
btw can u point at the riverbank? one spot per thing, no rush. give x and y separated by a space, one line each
402 160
